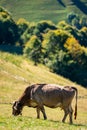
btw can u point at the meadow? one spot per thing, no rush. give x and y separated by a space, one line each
16 73
33 11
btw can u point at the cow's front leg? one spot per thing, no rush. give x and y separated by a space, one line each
38 112
43 111
66 112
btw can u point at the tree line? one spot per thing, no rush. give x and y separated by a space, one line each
62 47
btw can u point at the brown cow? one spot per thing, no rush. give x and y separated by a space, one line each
50 95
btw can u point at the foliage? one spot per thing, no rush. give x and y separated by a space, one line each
22 30
33 49
70 61
77 21
80 35
71 16
77 60
83 21
54 40
62 24
45 25
61 47
8 28
74 49
83 36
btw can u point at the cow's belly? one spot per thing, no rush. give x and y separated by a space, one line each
33 104
53 104
58 104
52 101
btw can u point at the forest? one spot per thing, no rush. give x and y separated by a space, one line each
62 47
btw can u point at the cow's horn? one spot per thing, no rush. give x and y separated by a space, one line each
15 108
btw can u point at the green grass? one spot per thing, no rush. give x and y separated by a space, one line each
28 121
40 10
15 77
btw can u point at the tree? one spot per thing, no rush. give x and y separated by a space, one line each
44 25
71 16
83 21
8 28
74 49
23 26
62 25
83 36
54 40
76 23
33 50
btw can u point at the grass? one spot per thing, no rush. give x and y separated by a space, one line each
41 10
28 121
14 77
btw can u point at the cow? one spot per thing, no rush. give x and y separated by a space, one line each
50 95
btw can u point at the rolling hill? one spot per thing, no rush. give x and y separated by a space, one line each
16 73
54 10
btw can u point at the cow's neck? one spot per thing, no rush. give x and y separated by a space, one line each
23 99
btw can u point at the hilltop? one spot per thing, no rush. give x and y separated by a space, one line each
55 10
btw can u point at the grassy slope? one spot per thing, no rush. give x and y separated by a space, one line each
41 9
15 74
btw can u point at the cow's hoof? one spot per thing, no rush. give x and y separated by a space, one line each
71 122
45 118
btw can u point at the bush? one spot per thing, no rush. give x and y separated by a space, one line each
33 50
8 28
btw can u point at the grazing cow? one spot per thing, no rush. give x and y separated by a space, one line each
50 95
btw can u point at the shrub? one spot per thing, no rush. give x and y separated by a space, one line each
33 50
8 28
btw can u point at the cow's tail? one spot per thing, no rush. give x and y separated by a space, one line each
75 113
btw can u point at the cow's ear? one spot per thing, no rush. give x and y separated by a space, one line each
14 102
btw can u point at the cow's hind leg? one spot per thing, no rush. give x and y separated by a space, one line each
70 114
43 111
66 112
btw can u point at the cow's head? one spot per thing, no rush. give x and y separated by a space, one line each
17 108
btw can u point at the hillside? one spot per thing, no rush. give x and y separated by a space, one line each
55 10
16 73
